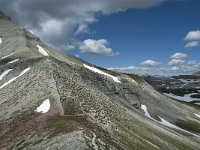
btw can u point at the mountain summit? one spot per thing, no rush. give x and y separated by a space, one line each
49 100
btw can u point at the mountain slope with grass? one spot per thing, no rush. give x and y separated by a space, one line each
49 100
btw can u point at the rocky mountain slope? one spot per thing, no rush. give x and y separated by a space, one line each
49 100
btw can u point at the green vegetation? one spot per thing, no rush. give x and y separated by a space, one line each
63 124
191 104
5 61
124 80
58 120
188 125
137 78
114 73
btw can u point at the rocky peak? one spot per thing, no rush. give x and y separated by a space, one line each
3 16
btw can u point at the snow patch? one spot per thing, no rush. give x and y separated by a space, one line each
4 73
7 55
187 81
185 98
197 103
168 124
44 107
0 40
13 79
101 72
146 113
13 61
197 115
165 122
42 51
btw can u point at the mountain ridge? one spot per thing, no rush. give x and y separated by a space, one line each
88 108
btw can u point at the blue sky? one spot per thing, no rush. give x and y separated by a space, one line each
146 36
139 35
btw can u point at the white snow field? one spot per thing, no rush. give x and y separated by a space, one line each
165 122
168 124
101 72
44 107
0 40
42 51
13 79
185 98
4 73
13 61
7 55
145 111
197 115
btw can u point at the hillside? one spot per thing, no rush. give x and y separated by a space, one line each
49 100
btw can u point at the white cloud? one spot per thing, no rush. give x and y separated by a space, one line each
150 63
82 28
96 47
58 21
192 44
193 36
69 47
193 39
77 56
175 62
192 62
178 67
179 56
163 71
129 68
174 68
134 69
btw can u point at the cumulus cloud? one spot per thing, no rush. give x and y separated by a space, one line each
177 67
69 47
183 67
174 68
58 21
96 47
179 56
175 62
77 56
192 44
187 68
134 69
150 63
192 38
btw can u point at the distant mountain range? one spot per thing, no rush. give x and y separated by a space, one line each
185 88
49 100
197 73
